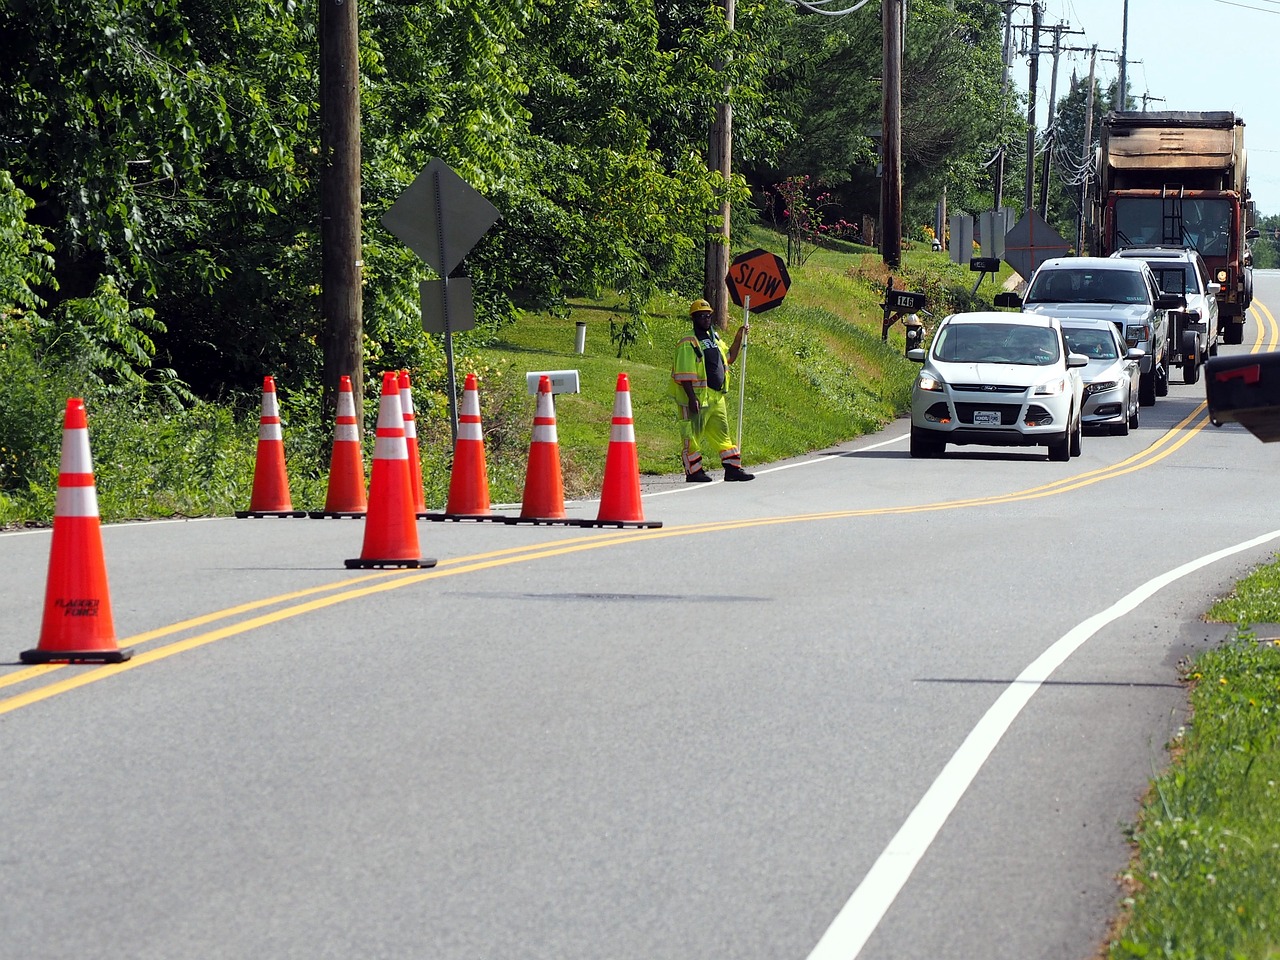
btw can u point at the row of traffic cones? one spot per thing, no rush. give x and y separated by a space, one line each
78 625
543 501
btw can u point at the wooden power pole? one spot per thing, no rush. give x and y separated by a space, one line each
1087 153
340 239
1030 193
891 139
720 158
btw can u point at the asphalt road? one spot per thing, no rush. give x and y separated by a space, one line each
865 706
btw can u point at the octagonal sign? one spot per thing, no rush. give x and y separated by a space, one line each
759 275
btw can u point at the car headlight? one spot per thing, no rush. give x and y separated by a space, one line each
1136 332
1051 388
1099 385
929 383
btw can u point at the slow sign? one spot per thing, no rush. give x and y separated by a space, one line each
760 275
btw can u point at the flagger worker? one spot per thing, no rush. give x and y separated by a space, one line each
699 386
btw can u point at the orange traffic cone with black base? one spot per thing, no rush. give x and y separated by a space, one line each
620 498
411 442
543 485
77 624
469 479
270 497
390 527
345 496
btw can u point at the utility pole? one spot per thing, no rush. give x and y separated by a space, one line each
891 140
1028 202
1122 84
1148 97
1050 120
340 240
997 186
720 159
1087 149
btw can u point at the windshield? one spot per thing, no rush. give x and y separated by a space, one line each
996 343
1078 285
1141 221
1093 343
1174 279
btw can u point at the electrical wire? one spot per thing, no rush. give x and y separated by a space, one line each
816 6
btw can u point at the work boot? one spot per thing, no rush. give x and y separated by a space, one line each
736 473
698 476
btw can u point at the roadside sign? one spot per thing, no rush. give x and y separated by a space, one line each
903 301
440 217
1030 243
760 275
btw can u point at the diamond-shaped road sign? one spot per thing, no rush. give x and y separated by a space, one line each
440 217
1030 243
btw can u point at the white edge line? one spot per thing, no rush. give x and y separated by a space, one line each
862 913
786 466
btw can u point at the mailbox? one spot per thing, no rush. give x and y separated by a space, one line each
985 264
562 381
1008 300
1245 389
903 301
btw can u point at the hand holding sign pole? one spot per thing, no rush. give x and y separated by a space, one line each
762 275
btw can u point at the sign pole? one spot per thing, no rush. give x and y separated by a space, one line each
450 376
742 376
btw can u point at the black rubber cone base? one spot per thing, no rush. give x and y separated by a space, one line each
638 524
457 517
545 521
360 563
241 514
75 656
335 514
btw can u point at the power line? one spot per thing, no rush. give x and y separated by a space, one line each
1245 6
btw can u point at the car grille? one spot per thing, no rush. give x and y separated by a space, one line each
1008 411
987 388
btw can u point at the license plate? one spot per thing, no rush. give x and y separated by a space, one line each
986 418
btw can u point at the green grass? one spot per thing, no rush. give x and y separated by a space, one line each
1205 878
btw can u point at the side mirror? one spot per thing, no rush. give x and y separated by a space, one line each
1213 289
1253 233
1170 301
1077 360
1245 389
1135 353
916 354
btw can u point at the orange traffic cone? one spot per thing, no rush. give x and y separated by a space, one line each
411 442
270 497
469 479
345 497
77 622
543 486
620 497
390 528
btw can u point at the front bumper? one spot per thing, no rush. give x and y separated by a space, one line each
1103 406
996 417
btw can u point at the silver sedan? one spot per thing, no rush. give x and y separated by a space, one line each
1110 379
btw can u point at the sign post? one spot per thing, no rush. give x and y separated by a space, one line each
763 275
440 217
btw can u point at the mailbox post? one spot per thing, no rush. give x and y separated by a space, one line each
896 303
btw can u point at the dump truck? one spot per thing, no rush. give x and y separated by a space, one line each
1178 179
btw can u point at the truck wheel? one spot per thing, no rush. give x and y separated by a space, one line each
1234 333
1147 389
1162 381
1190 370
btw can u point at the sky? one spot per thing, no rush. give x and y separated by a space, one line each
1184 55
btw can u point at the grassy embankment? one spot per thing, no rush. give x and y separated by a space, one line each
1205 878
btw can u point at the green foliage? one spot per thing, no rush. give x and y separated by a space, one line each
25 261
1205 876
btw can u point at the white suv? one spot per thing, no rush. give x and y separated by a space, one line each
1193 328
1004 379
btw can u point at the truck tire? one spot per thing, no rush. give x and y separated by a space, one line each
1234 332
1147 389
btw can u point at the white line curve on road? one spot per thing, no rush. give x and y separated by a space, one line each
862 913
